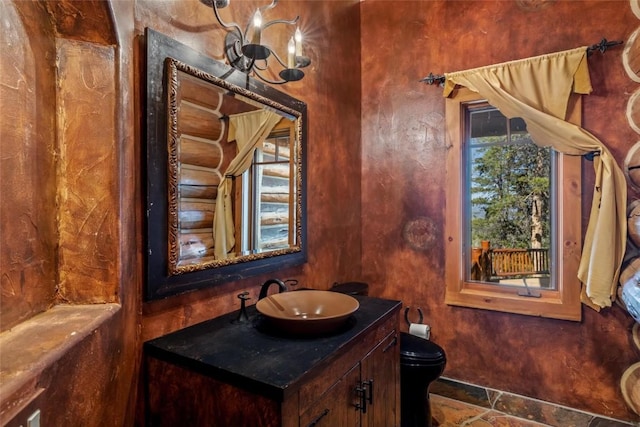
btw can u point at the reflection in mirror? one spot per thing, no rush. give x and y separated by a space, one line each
225 172
232 173
508 187
269 218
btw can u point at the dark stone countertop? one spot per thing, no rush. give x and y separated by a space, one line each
250 356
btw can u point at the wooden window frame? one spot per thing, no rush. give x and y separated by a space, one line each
563 302
249 179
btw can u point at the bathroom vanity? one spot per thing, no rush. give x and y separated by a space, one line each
227 373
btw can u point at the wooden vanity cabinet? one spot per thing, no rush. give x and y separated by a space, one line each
337 406
365 396
355 384
382 369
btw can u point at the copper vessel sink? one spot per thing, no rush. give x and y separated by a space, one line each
307 312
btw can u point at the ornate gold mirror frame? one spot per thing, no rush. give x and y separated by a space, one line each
191 102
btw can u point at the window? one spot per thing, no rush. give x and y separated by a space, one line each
507 189
270 222
513 215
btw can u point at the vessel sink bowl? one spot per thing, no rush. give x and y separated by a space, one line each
307 312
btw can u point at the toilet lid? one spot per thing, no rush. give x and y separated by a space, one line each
416 349
351 288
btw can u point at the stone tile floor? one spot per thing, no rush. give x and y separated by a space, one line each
456 404
452 413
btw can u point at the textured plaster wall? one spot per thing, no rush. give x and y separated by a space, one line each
72 181
64 93
403 154
375 164
331 90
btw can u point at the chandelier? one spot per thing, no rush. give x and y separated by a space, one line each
245 51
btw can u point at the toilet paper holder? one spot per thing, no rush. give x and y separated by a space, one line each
418 329
406 315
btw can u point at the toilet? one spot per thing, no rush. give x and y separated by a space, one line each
421 362
351 288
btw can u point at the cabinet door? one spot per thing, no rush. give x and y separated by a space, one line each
381 378
337 407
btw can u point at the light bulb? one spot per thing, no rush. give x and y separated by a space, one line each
257 26
291 62
298 37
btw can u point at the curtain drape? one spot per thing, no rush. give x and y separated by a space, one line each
537 90
249 131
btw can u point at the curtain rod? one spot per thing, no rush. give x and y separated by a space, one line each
602 47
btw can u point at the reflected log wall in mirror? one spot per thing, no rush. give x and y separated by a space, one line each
193 125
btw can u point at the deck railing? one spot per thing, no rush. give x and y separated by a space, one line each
519 262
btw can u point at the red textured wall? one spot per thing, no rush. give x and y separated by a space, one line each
574 364
375 163
331 31
331 90
28 228
62 136
105 364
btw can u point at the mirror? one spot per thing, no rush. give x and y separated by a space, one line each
225 172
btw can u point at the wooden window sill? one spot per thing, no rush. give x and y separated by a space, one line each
29 348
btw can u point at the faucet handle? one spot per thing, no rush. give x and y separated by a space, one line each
243 316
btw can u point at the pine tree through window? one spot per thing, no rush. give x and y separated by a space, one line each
508 188
513 230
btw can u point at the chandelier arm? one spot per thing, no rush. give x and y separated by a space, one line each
246 31
261 68
269 6
268 80
230 26
238 60
282 21
252 64
275 55
266 64
237 46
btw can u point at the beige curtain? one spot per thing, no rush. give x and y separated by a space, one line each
538 89
249 131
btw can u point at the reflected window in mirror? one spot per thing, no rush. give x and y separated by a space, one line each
513 222
233 159
269 222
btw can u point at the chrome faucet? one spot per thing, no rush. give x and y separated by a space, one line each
265 287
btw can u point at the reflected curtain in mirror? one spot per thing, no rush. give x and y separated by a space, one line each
249 130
